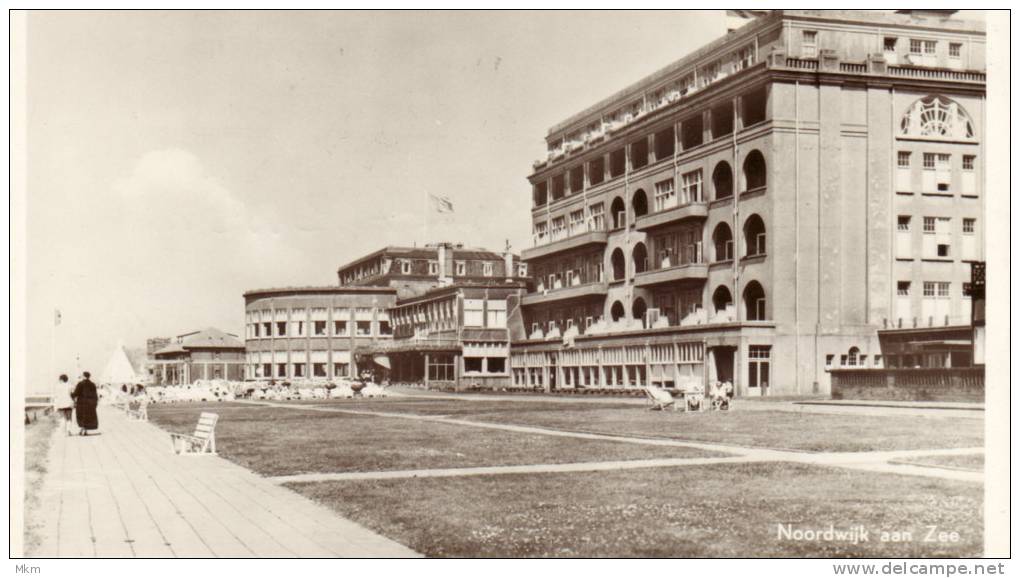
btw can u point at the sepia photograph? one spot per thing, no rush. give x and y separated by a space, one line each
641 284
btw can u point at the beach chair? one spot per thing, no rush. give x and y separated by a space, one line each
694 396
203 441
660 398
140 414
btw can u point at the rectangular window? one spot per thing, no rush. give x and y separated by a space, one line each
943 289
759 357
319 328
903 223
281 328
558 231
474 312
929 289
955 49
809 43
339 328
597 218
929 225
889 44
968 162
596 171
405 267
577 225
339 369
665 195
487 269
942 250
691 191
903 159
968 226
433 268
929 161
461 268
903 288
318 370
364 328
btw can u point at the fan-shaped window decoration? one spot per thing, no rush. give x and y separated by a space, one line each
937 117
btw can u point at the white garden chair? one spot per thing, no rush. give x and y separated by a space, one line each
203 441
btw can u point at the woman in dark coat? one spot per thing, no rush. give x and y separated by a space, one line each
86 398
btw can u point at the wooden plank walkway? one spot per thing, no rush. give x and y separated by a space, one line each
125 494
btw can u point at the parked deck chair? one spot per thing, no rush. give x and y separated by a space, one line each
660 398
694 397
140 414
203 441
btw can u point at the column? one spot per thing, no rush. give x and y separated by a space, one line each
426 370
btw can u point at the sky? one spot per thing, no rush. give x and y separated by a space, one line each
178 159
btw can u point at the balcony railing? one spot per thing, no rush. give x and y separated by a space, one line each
920 384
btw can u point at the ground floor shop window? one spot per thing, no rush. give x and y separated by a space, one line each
339 370
319 369
759 358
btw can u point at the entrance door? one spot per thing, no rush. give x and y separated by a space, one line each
724 363
758 369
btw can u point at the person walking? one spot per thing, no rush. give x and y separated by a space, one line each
64 402
86 398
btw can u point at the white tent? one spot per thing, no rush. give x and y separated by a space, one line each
119 369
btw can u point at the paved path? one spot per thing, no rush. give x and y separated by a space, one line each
125 494
869 461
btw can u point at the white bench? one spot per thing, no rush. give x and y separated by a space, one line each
140 414
203 441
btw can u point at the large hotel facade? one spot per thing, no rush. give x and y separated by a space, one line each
757 211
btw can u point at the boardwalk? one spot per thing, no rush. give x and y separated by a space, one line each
124 494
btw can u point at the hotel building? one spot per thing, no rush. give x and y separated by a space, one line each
757 211
435 315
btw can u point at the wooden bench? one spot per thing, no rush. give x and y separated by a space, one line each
203 441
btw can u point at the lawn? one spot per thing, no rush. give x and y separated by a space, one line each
694 511
38 437
973 462
277 441
759 428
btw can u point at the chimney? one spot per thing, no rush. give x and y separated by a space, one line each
508 264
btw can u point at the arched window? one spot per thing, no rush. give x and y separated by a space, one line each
640 256
619 264
852 357
754 302
938 117
617 311
640 203
638 308
754 171
722 180
722 238
721 298
619 213
754 236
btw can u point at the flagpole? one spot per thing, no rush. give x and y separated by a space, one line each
53 358
425 221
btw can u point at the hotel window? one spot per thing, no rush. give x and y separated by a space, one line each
904 246
596 171
474 314
889 44
955 50
969 241
339 328
364 328
923 51
299 370
903 288
281 370
558 230
319 327
744 58
539 234
487 269
968 182
522 269
281 328
968 162
759 357
385 328
809 43
461 268
433 268
497 314
339 369
318 370
691 191
597 217
405 267
298 326
903 177
576 222
710 73
903 159
968 226
665 195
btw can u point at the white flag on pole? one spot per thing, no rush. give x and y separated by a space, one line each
441 204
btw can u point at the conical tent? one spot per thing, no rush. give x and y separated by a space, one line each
119 369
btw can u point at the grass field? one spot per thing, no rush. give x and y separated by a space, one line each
731 509
758 428
38 436
697 511
276 442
